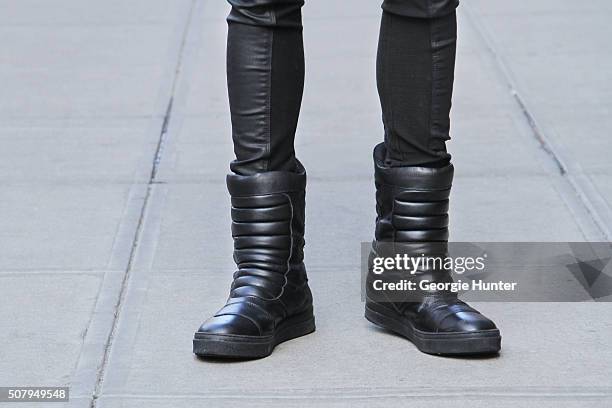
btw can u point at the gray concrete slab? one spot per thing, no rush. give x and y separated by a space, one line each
539 7
520 30
199 150
552 56
73 186
44 319
207 91
82 70
61 227
604 186
532 210
585 135
71 151
70 12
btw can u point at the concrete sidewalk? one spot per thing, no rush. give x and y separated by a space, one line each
114 235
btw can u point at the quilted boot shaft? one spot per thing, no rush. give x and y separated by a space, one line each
268 230
411 202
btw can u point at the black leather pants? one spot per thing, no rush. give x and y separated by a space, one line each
265 72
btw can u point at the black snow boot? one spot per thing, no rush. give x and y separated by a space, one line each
269 301
412 218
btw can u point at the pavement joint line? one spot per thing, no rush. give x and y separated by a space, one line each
190 39
143 252
554 393
141 220
91 365
584 191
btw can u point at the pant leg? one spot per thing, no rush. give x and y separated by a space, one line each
265 79
415 74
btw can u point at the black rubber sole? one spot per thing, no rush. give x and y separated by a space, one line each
481 342
245 347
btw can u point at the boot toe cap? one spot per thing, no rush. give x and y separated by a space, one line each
230 324
468 322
